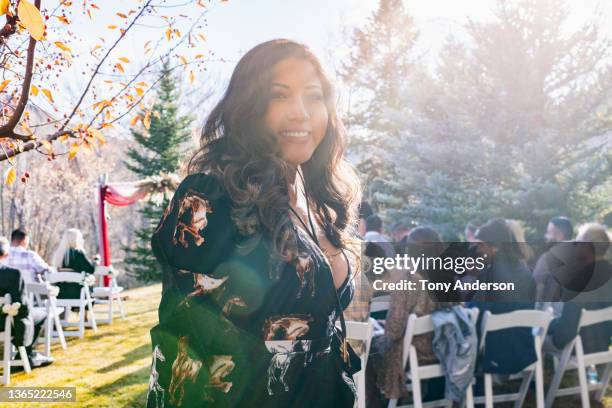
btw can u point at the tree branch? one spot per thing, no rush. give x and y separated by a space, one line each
9 127
93 76
33 144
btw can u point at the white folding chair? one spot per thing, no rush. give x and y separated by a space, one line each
415 327
7 356
45 297
380 304
535 319
107 294
361 331
574 358
84 301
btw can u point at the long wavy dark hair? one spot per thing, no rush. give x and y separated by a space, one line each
236 147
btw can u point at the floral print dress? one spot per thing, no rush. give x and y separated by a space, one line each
235 327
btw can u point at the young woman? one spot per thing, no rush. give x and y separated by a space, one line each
70 254
257 247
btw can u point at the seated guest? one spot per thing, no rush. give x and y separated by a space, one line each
385 369
27 323
511 350
70 255
591 290
28 262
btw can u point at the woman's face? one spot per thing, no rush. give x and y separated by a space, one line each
297 114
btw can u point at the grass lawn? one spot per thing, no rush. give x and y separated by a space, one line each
108 369
111 368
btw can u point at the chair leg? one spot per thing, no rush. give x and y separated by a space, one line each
6 363
469 397
48 332
110 309
360 389
539 380
522 393
59 330
24 359
584 385
120 302
89 306
81 321
416 380
559 371
604 382
488 378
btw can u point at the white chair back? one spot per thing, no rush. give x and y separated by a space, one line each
591 317
75 277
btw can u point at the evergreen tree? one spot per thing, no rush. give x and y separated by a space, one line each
514 122
381 59
158 150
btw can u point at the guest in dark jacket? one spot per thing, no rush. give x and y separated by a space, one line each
27 323
507 351
70 255
591 289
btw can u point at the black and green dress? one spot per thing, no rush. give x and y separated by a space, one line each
237 328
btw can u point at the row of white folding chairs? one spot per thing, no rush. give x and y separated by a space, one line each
537 320
6 336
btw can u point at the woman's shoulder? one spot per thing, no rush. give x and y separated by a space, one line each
203 183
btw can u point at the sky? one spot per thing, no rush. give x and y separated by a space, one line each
233 27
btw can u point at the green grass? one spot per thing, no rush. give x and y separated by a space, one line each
111 368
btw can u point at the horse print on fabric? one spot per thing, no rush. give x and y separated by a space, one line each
305 271
220 367
184 368
284 351
233 301
286 327
202 285
195 207
154 387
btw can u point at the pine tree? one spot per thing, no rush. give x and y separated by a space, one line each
159 150
381 59
514 122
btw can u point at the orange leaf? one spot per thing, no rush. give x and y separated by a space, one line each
98 135
169 34
94 6
135 120
202 37
119 67
139 91
31 18
62 46
4 84
72 152
121 15
124 59
63 19
147 120
4 5
183 60
10 176
48 94
47 145
198 56
191 77
34 90
111 27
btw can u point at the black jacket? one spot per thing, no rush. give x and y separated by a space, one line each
12 283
